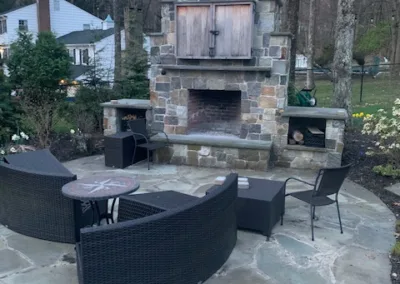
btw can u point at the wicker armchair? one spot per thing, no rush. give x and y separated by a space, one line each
31 202
183 245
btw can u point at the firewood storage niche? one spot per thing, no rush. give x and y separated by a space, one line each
309 132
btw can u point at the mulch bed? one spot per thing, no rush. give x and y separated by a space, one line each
356 146
65 148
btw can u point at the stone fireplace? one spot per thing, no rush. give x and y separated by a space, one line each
218 87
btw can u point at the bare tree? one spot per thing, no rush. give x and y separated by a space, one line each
395 46
118 49
310 84
291 24
343 58
133 13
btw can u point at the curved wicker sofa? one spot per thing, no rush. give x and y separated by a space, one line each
185 245
31 202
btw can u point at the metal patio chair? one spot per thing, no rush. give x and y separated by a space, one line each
142 138
327 183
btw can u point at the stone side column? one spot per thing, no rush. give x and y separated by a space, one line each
334 136
110 121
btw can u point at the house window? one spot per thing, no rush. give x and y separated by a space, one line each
23 25
71 55
3 26
74 56
85 56
86 27
56 5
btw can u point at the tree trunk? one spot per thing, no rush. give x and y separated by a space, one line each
118 50
133 13
343 57
311 45
291 24
395 43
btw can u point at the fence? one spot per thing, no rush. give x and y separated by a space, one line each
373 87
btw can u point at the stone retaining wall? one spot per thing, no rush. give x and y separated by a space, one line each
214 157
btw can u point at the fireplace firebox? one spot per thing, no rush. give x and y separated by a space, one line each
214 112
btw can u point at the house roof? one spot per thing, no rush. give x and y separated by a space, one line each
109 19
85 36
79 70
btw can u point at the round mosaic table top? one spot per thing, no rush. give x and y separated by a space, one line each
100 188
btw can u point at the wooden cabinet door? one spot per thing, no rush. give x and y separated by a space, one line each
234 26
193 25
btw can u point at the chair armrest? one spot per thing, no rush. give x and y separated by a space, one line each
140 135
299 180
166 136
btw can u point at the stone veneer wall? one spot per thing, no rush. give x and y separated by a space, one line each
215 157
313 158
263 93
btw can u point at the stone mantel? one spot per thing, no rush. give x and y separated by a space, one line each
217 141
315 112
217 68
128 103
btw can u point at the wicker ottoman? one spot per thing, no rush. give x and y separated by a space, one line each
119 148
261 206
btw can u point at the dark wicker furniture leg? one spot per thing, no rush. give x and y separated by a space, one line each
261 206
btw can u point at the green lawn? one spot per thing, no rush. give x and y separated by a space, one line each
378 93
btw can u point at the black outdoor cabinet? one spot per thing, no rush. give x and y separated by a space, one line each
119 150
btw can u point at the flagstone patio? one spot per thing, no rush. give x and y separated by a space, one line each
360 255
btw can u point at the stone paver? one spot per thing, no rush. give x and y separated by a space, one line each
11 261
395 188
359 255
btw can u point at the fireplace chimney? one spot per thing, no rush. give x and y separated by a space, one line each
43 15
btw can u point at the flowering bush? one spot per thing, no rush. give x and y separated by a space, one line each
386 127
357 120
18 145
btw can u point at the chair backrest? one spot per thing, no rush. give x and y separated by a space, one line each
330 180
180 246
138 126
31 203
38 161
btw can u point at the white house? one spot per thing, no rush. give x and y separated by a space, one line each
58 16
88 39
90 47
301 61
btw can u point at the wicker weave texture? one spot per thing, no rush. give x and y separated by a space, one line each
185 245
32 204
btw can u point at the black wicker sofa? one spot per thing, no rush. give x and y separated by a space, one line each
31 202
182 245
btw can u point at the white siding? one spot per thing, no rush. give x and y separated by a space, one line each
301 61
65 20
28 13
70 18
105 50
